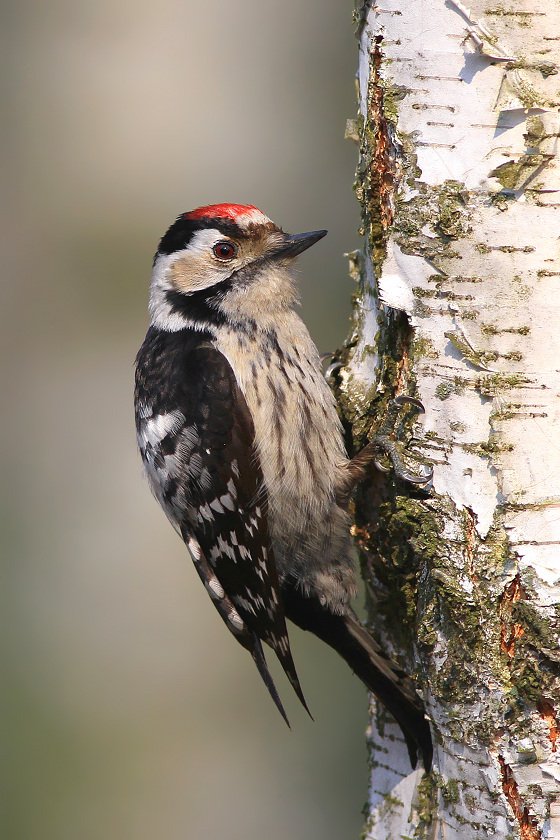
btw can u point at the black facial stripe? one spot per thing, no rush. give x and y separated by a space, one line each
205 310
201 307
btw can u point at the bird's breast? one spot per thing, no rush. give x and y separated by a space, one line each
298 435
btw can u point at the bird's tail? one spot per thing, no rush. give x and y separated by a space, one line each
285 658
383 677
284 655
278 640
257 653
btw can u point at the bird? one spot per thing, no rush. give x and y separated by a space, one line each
243 448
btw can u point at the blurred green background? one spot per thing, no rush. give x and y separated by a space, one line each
128 710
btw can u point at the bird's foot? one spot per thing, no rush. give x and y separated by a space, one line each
386 445
391 449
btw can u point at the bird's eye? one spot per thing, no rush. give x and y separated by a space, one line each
224 250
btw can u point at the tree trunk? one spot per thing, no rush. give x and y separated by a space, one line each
458 304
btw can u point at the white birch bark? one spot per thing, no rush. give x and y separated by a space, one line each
459 304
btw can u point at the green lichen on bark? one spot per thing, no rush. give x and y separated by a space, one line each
535 663
426 799
395 533
414 574
513 174
443 208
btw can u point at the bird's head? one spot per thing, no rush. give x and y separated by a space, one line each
223 262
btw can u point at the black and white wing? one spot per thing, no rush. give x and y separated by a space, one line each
197 443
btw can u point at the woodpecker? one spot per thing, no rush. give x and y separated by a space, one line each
243 448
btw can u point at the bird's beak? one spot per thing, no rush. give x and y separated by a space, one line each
296 243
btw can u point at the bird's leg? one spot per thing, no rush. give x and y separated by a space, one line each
384 444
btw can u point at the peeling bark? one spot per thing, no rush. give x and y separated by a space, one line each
458 303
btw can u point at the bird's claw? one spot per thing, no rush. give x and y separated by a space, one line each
331 369
334 365
403 399
390 448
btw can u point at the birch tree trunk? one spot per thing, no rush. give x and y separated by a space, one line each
458 304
